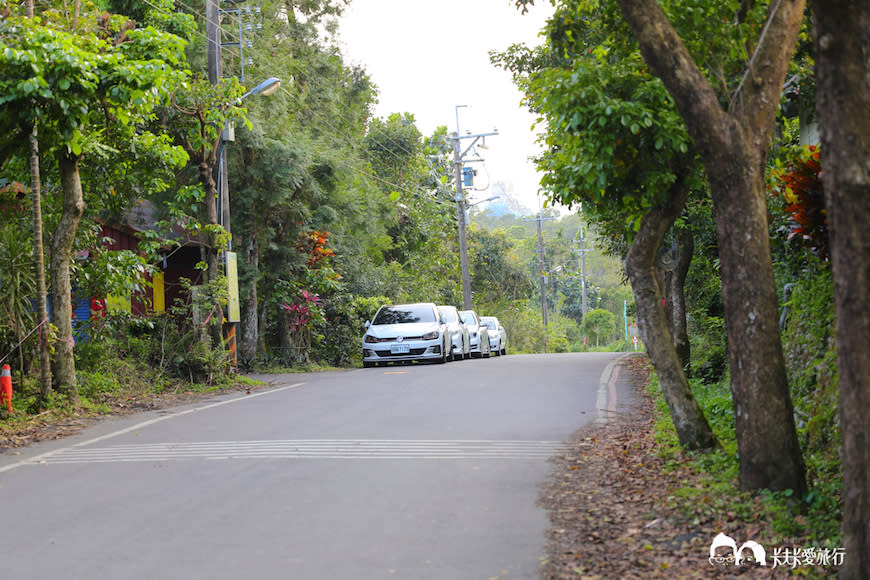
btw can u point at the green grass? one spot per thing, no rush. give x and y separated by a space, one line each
813 520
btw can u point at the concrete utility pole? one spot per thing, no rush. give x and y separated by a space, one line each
458 155
542 281
582 250
541 268
460 219
213 37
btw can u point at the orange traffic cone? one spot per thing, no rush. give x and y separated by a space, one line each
6 387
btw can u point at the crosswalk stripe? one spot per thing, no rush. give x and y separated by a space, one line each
312 449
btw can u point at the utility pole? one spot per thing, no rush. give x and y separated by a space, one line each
458 155
582 250
460 219
542 281
541 268
213 37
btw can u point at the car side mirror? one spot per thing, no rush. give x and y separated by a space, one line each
368 323
500 327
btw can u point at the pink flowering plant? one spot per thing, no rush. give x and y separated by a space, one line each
303 309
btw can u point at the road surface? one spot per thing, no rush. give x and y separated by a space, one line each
412 472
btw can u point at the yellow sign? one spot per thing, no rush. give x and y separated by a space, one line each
233 307
159 295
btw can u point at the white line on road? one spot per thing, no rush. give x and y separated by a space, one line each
313 449
42 458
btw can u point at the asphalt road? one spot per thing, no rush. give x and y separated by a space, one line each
416 472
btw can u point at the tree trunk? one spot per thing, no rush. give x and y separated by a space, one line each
61 288
733 147
39 260
39 269
206 175
641 263
250 314
680 329
842 105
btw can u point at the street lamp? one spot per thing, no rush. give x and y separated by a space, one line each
470 205
265 88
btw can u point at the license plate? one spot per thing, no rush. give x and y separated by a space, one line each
400 348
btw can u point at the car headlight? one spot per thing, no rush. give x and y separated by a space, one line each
431 335
369 338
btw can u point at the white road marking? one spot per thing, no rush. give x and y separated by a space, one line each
313 449
45 456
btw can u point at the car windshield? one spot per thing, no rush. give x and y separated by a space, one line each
405 314
468 318
490 324
449 314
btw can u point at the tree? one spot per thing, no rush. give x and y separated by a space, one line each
99 81
299 167
599 323
616 144
733 144
499 277
842 104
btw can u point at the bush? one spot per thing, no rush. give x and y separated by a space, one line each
811 363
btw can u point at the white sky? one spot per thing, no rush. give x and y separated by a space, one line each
427 57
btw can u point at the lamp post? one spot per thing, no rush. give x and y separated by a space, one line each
470 205
265 88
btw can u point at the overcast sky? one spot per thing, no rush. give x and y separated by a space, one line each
427 57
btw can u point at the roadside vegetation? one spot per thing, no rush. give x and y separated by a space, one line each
334 213
719 249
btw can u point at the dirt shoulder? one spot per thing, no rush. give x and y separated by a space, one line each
613 512
57 424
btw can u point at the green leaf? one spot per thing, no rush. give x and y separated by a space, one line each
395 195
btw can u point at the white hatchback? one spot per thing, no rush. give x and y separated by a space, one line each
477 333
458 332
406 332
497 335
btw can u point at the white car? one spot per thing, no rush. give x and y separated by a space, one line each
406 332
458 332
497 335
477 333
